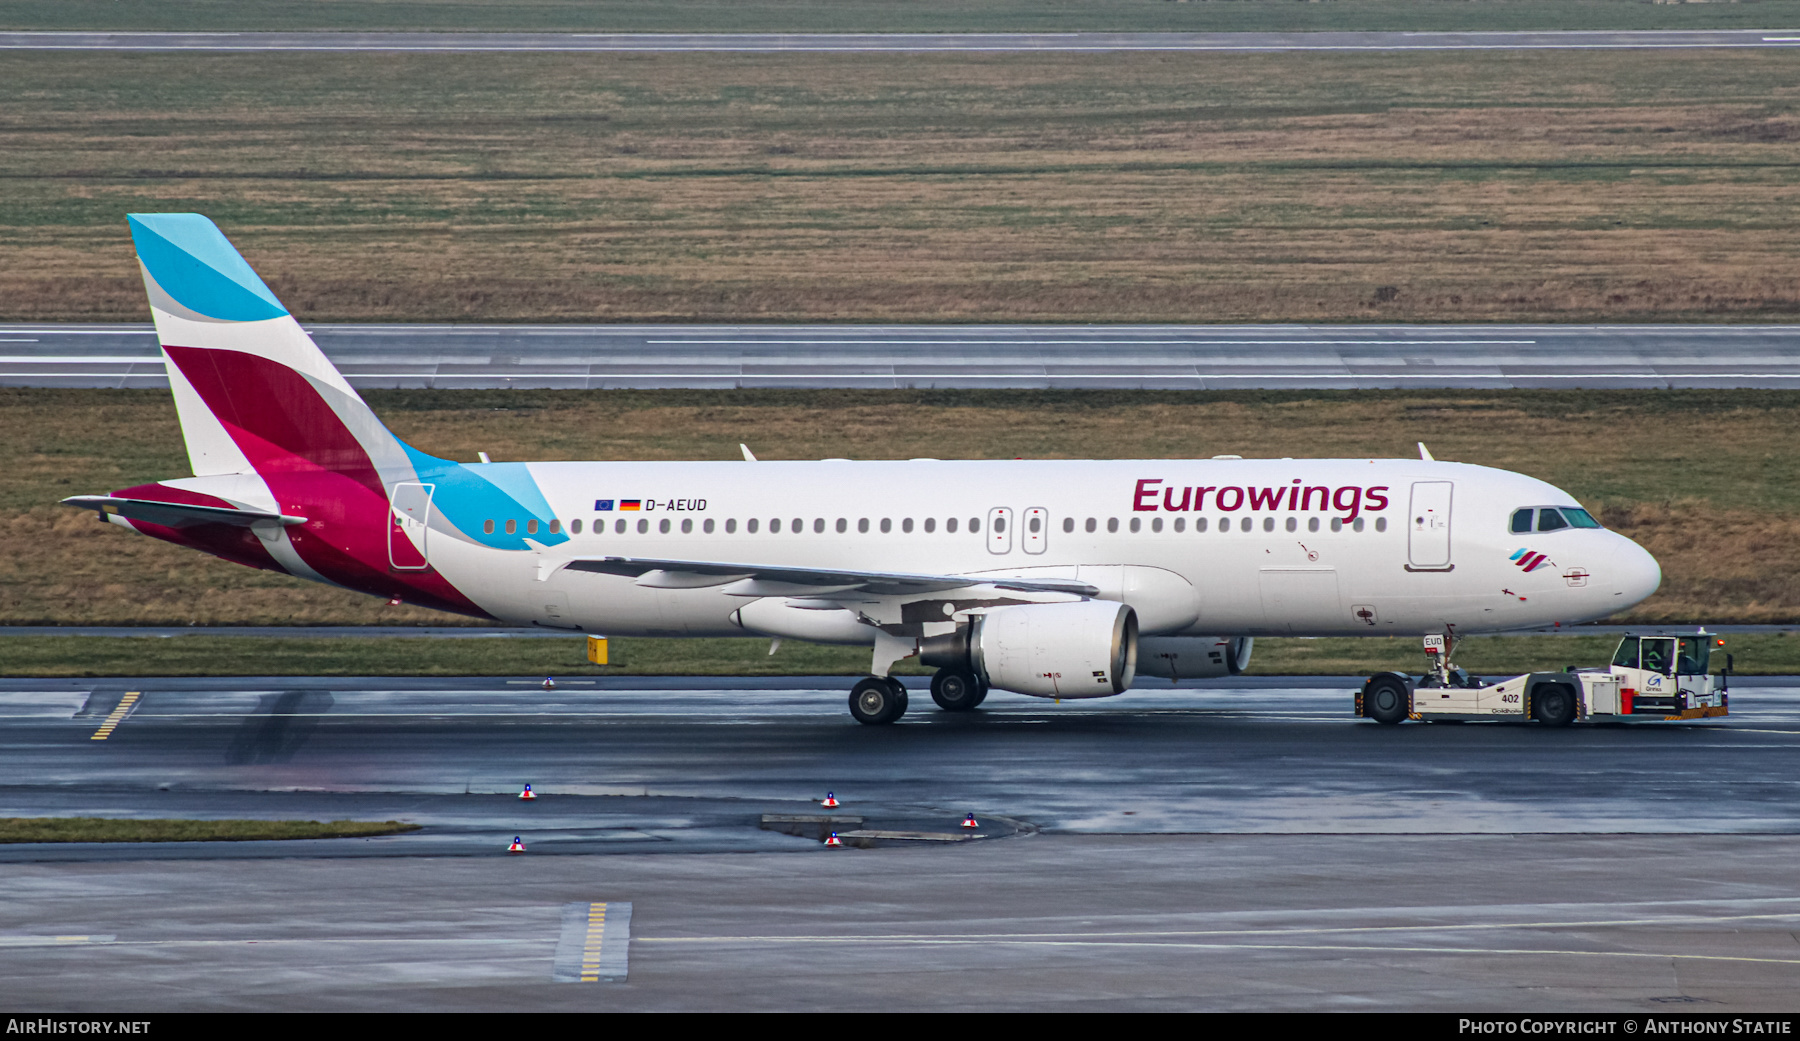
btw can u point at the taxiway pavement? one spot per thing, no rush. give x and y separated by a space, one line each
1184 357
470 42
1241 846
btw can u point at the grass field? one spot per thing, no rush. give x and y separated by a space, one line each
888 15
1456 186
1764 654
1706 480
114 829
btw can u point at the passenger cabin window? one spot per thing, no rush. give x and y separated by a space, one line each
663 526
487 527
707 526
950 525
1550 520
512 526
842 525
1068 525
731 525
930 525
687 525
1091 525
531 527
974 525
1521 522
575 527
644 527
619 526
1112 524
555 526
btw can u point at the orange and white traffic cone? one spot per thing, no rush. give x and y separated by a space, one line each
830 801
549 684
528 794
969 822
834 840
516 847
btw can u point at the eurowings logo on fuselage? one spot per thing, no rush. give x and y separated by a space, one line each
1528 560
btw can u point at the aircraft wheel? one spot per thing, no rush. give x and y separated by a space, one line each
1553 705
1385 700
956 691
875 701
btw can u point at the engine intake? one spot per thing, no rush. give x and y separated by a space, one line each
1087 649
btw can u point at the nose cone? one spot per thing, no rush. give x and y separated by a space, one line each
1636 574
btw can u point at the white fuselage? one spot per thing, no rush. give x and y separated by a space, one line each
1417 547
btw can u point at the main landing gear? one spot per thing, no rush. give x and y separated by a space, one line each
957 691
876 700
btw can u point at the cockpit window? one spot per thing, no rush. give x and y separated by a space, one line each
1551 520
1578 518
1521 521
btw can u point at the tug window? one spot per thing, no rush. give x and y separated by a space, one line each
1550 520
1627 654
1521 522
512 526
487 527
1068 525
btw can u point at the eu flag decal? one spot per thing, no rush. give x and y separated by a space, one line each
602 505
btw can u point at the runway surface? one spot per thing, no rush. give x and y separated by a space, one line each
1182 357
893 42
1232 847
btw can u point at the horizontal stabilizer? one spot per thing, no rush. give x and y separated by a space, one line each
176 514
794 581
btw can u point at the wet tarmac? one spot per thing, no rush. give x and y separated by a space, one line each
1249 846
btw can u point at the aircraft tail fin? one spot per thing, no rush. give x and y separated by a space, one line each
254 393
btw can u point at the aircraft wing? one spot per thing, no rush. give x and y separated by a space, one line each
177 514
770 580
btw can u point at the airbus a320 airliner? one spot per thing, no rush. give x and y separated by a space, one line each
1053 578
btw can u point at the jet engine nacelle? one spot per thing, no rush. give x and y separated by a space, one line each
1192 657
1087 649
